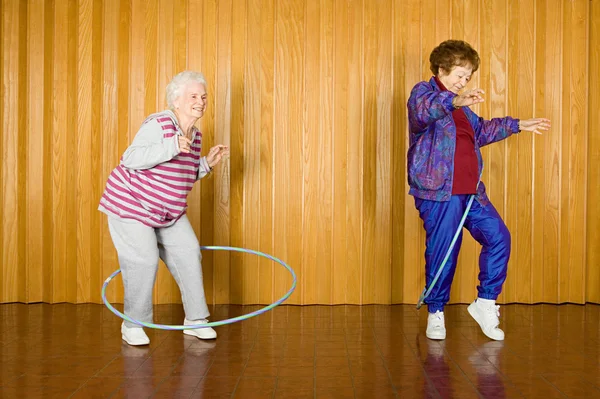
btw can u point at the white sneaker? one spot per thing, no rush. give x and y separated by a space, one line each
486 313
202 333
134 335
436 328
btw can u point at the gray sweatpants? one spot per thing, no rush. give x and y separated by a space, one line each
139 247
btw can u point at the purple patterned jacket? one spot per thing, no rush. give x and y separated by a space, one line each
433 141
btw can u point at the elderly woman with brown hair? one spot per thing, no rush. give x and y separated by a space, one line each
444 169
145 200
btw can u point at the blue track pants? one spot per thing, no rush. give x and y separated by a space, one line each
440 220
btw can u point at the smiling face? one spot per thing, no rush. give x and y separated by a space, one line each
192 103
457 78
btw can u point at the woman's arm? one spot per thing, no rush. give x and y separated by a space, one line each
496 129
150 147
426 106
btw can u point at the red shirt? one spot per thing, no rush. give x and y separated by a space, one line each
465 160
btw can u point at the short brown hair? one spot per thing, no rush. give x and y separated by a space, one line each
453 53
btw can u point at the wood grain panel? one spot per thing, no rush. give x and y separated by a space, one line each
241 284
60 156
593 165
413 275
85 156
551 145
355 145
250 174
340 76
398 149
288 125
36 270
574 239
521 44
311 97
266 152
222 135
13 277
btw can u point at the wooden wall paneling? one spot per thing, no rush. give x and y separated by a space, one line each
96 183
13 276
370 188
242 284
59 156
311 137
317 150
84 155
289 100
311 96
222 135
539 187
36 159
355 145
48 113
250 175
521 88
383 254
398 136
413 276
340 265
592 219
573 235
267 155
552 148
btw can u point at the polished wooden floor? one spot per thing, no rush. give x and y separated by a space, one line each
75 351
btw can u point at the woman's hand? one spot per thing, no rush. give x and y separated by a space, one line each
215 154
184 144
468 98
534 125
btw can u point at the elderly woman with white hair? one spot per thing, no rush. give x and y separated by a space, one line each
145 200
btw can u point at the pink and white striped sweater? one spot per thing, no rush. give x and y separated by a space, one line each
153 179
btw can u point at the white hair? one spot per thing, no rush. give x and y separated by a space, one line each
176 85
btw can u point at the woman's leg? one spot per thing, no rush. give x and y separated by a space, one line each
180 250
488 229
138 257
486 226
440 220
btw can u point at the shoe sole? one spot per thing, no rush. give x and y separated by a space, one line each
435 338
133 344
186 332
473 313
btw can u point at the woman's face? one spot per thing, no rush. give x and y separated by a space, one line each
192 101
457 78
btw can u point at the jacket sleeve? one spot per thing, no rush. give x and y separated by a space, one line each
496 129
204 169
426 106
150 147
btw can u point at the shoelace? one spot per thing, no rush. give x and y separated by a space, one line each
438 319
492 311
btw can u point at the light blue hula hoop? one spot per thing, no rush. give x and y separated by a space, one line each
214 323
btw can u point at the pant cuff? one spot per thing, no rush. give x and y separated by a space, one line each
434 307
492 296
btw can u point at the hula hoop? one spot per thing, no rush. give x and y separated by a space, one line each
214 323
